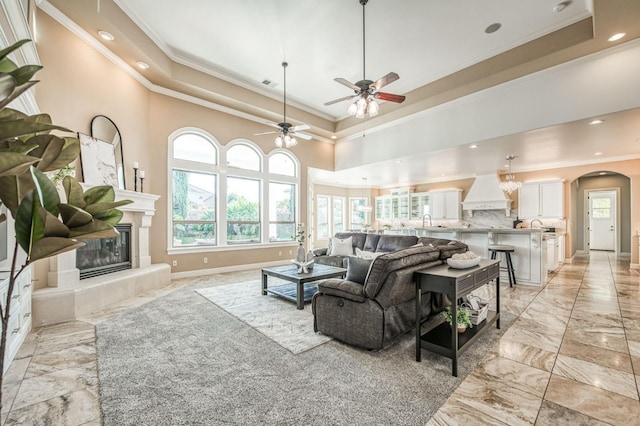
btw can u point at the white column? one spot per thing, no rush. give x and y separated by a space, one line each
62 270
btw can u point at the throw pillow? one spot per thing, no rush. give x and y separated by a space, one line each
357 269
363 254
341 247
418 245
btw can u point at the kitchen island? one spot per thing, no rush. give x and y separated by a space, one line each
531 259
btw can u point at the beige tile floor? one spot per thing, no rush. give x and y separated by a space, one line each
572 357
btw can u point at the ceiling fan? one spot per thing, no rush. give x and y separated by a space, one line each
286 131
367 91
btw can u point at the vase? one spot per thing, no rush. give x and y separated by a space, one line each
301 255
462 329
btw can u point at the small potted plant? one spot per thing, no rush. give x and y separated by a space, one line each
464 320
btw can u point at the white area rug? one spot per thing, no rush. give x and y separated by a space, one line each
272 316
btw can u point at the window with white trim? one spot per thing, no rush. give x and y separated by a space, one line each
357 218
254 199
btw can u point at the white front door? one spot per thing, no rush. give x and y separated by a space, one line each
602 220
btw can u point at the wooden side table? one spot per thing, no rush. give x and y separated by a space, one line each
455 283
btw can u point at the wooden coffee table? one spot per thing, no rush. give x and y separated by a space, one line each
296 291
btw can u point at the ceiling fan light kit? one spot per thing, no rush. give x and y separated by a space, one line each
367 91
286 131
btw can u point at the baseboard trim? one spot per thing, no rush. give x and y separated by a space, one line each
224 269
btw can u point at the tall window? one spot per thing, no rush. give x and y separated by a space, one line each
282 211
322 216
338 215
194 191
358 219
243 210
253 199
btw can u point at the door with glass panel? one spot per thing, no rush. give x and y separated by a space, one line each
602 220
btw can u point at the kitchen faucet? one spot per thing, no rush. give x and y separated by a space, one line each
424 216
536 220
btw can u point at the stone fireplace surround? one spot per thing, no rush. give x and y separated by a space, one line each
66 298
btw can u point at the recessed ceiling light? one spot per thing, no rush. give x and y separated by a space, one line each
334 137
142 65
597 121
597 153
617 37
493 28
474 146
602 173
441 174
562 6
106 35
398 161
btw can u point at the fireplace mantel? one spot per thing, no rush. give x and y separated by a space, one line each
67 298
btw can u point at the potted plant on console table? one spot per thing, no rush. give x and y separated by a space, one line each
44 226
464 320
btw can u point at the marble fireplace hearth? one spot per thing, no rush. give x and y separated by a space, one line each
67 298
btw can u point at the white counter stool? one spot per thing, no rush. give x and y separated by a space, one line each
507 250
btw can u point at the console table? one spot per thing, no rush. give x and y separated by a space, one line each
455 283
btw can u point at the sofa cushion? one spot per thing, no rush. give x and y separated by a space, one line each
357 269
447 247
357 237
389 243
371 242
342 288
341 247
386 264
363 254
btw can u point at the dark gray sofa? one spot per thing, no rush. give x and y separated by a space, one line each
368 242
373 314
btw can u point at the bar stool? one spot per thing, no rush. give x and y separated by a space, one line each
507 250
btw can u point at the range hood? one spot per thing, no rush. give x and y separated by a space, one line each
485 194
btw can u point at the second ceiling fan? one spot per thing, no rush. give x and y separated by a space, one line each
367 91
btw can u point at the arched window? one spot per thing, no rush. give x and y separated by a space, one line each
245 197
243 156
193 189
282 164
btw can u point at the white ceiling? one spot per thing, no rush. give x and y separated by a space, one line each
245 41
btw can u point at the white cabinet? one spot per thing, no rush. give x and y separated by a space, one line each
552 253
19 323
418 202
478 242
396 206
541 200
445 204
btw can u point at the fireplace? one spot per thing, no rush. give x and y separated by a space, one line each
105 255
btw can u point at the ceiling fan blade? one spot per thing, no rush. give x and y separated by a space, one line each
300 127
383 81
302 135
389 97
335 101
347 83
272 124
265 133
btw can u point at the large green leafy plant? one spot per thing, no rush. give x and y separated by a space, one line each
44 225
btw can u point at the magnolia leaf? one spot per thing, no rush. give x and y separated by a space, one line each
73 190
93 230
54 152
52 225
20 147
7 65
99 194
29 222
7 85
15 46
15 128
51 246
24 73
13 163
112 217
46 191
101 207
13 189
8 114
17 92
73 216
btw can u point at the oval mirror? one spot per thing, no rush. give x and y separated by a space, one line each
103 128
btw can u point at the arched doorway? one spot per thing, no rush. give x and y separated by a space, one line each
601 206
